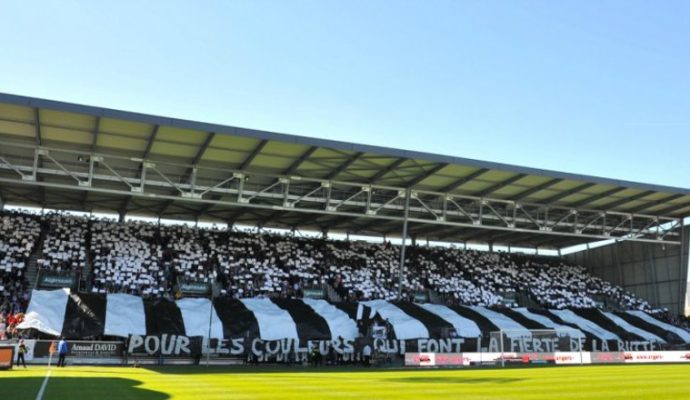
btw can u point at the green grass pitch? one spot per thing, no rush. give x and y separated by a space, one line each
201 383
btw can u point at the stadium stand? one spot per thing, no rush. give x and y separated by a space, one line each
148 260
18 237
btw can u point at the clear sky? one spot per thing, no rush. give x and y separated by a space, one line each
588 86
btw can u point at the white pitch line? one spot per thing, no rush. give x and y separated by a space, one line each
39 396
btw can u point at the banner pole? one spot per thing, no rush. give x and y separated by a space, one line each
210 319
503 359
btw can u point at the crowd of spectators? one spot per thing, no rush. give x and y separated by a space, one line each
64 247
18 237
126 259
150 260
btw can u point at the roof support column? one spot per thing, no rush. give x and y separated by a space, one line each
683 278
404 241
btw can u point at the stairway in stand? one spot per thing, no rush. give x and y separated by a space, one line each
32 267
331 294
87 272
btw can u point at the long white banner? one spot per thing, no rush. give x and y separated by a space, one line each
274 322
196 315
547 322
463 326
633 329
404 325
585 324
339 323
504 323
685 335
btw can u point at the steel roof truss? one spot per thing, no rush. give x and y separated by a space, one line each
315 196
8 165
568 215
451 200
488 205
623 221
387 203
535 221
172 184
415 196
668 230
46 154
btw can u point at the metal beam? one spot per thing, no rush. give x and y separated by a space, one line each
37 128
149 142
567 193
682 281
94 138
500 185
654 203
255 152
596 197
425 175
464 180
536 189
298 162
404 243
561 242
636 197
383 172
342 167
21 195
499 237
39 142
440 232
200 153
671 209
474 235
363 227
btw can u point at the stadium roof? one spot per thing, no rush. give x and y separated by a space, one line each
68 156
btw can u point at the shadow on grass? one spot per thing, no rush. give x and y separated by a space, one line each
273 369
288 369
453 379
76 388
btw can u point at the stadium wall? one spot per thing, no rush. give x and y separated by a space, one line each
652 271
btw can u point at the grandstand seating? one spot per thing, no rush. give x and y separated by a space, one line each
148 259
18 237
64 248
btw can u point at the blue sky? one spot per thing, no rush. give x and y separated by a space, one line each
592 87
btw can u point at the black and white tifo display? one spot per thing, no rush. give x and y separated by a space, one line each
263 326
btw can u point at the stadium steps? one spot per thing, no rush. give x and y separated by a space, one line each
87 273
331 294
32 266
525 299
434 298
